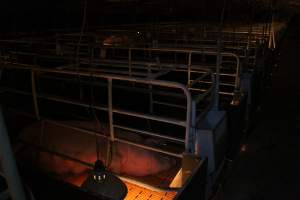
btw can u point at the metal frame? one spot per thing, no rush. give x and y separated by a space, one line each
130 64
251 38
187 123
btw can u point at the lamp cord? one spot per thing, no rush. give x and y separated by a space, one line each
83 25
98 127
97 122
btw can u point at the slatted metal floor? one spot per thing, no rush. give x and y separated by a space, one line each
140 193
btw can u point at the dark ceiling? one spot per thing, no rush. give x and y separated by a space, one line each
47 14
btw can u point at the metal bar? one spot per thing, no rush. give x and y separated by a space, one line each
193 124
151 117
78 129
115 139
238 76
144 65
219 55
86 105
168 84
169 104
223 93
210 82
149 148
217 84
125 65
150 134
123 87
138 74
177 51
161 50
57 99
73 102
178 69
8 164
172 121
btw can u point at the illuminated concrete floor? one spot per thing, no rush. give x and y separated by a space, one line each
270 168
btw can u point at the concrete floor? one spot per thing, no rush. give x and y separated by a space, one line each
270 166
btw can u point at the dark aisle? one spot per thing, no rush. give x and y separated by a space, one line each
269 168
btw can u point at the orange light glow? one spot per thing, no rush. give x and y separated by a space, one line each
134 191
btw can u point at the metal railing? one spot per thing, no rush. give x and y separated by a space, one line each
68 51
192 117
111 110
132 65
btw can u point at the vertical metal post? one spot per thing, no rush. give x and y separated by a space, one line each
34 96
249 39
273 36
193 127
247 53
110 110
238 75
189 68
8 164
219 60
188 137
270 36
110 144
217 79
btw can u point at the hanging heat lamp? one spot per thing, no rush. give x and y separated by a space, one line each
104 184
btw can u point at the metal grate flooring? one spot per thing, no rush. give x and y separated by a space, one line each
140 193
